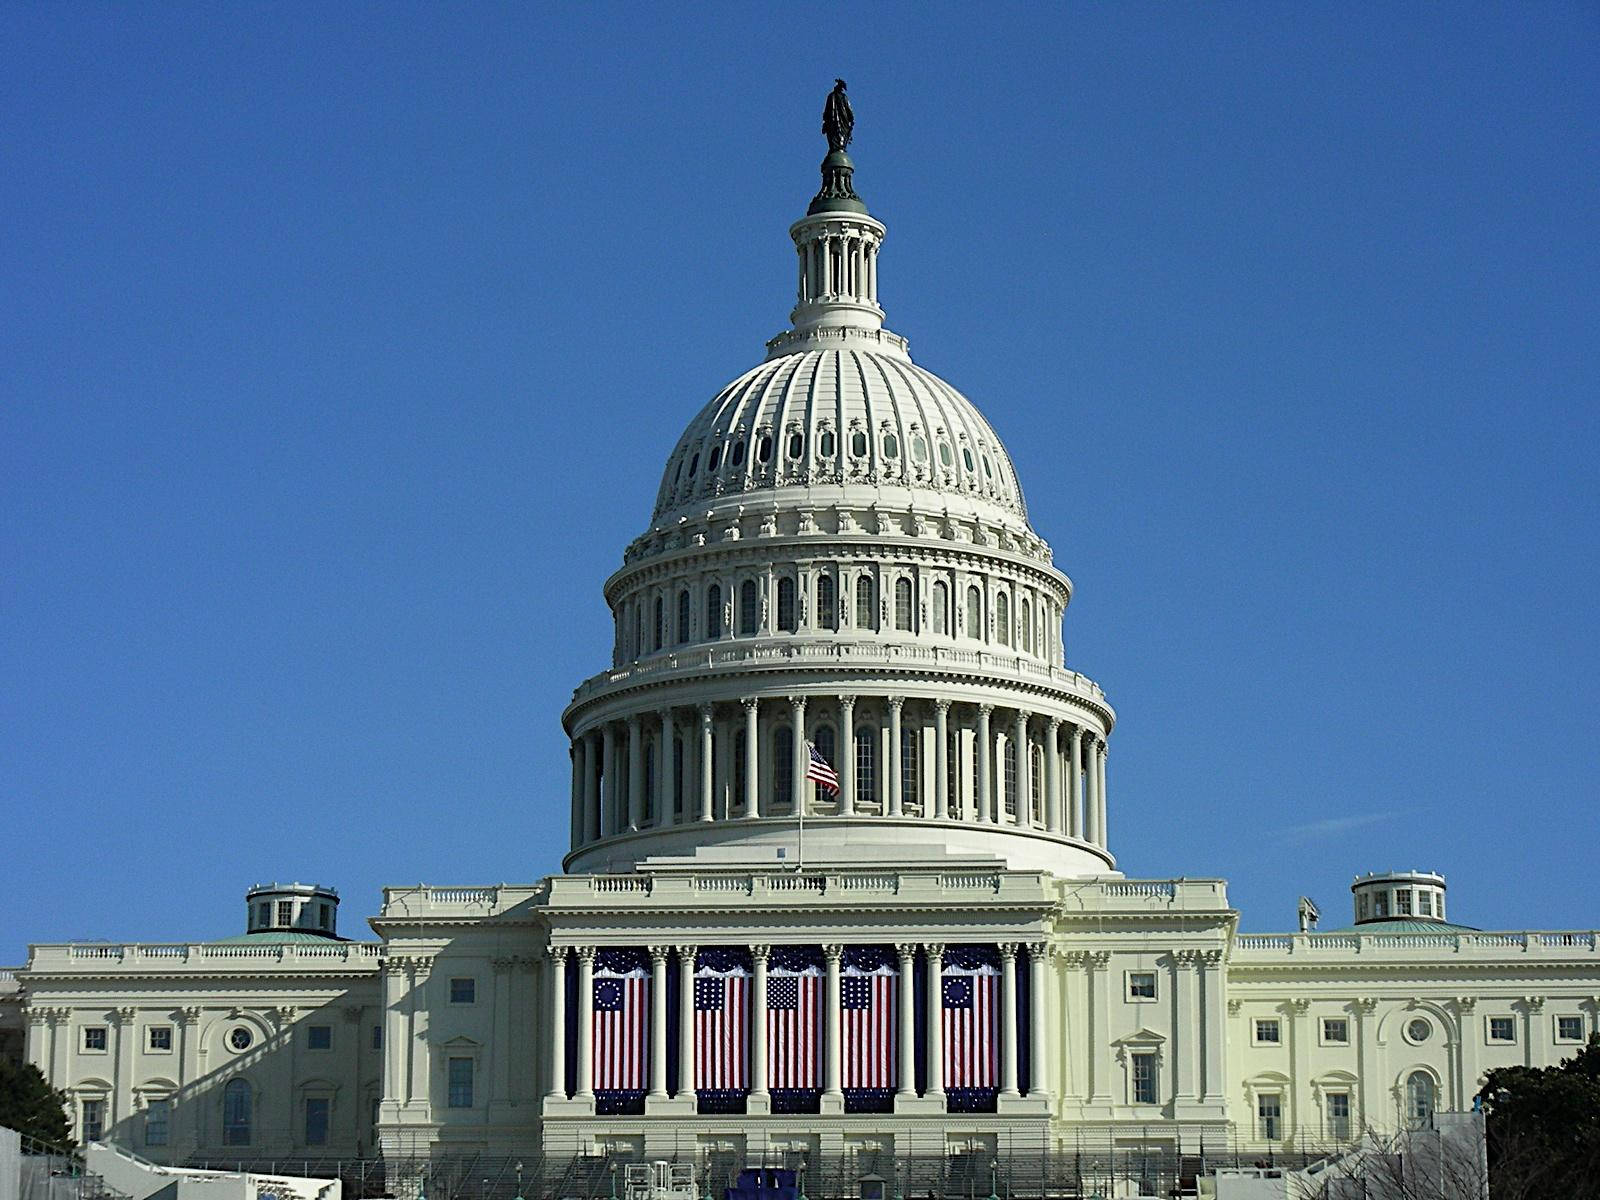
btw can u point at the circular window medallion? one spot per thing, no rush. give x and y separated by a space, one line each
1418 1030
240 1038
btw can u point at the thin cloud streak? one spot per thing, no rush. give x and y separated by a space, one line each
1333 825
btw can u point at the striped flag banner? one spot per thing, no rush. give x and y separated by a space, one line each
621 1003
721 1028
794 1011
867 1034
970 1009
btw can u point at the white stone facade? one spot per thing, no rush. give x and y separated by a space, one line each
839 555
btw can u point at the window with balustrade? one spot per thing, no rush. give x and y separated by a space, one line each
866 603
941 608
1002 619
902 604
827 603
1025 626
974 612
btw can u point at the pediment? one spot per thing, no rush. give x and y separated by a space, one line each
1140 1037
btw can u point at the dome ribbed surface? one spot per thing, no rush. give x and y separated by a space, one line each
839 416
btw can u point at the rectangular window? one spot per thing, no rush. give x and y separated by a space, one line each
866 776
324 916
1569 1029
94 1120
1335 1031
264 914
1380 904
319 1037
460 1076
1425 904
1141 985
1338 1116
1402 902
159 1039
317 1120
1144 1079
94 1039
463 991
1502 1029
1269 1111
285 912
156 1123
377 1037
1268 1031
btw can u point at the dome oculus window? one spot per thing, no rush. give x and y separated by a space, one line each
825 444
764 449
988 468
919 449
966 457
716 457
797 445
858 444
240 1038
946 459
737 457
891 446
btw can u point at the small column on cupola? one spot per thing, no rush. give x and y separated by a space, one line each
837 241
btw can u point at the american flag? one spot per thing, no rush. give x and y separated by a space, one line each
819 772
867 1036
970 1007
621 1030
721 1032
794 1003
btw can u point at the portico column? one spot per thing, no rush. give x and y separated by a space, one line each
935 953
706 763
1100 791
1023 754
892 760
635 774
752 759
658 1022
686 1021
907 1057
608 806
758 1027
1214 1026
585 1023
1052 776
558 1023
591 788
941 762
1038 1026
1185 1059
1008 1019
1075 782
666 771
985 749
798 758
579 754
833 1052
847 755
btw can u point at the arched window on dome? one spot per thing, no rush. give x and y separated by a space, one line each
749 608
891 446
866 766
764 448
910 769
1002 619
714 611
736 458
797 444
786 606
660 628
902 603
827 605
858 444
866 603
694 463
974 612
941 608
1419 1100
1010 761
715 459
946 459
237 1109
825 444
683 615
1025 625
783 765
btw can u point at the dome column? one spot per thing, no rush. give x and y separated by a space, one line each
941 764
591 788
1075 816
635 774
666 771
705 761
1100 790
752 758
608 805
985 749
1022 754
799 759
892 763
1052 776
580 758
847 755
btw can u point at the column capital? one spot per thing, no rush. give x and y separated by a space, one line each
1299 1006
1077 733
125 1014
1053 724
502 964
1186 958
1097 960
585 953
833 953
798 703
658 954
189 1015
760 953
1211 958
896 703
1534 1004
1008 951
905 950
985 711
1365 1005
687 953
556 954
847 701
1465 1004
633 722
706 711
941 705
933 949
751 703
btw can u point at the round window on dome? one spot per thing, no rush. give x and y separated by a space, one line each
764 449
825 444
716 457
946 459
694 465
797 445
891 446
858 444
919 449
737 457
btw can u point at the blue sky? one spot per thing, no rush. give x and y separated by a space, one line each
341 347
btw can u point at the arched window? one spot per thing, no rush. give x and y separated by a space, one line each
858 444
714 611
902 604
910 768
683 616
783 764
764 448
941 608
825 444
797 445
1026 622
786 615
715 459
866 604
1419 1100
660 624
1011 777
827 745
237 1108
827 606
737 457
749 608
866 766
974 612
1002 619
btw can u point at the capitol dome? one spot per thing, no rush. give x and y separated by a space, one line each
839 640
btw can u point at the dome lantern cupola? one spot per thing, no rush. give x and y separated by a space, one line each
292 907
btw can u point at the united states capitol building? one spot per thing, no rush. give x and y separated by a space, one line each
942 952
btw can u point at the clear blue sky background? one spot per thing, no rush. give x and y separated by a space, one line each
341 347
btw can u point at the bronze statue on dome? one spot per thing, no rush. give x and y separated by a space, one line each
838 121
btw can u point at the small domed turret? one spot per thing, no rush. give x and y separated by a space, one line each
292 907
1399 895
